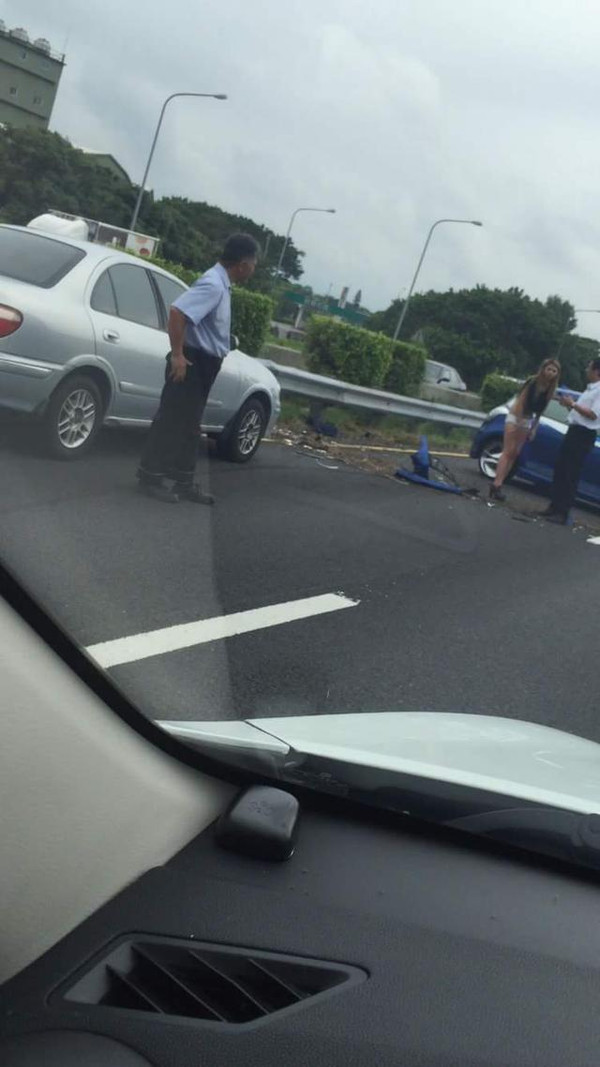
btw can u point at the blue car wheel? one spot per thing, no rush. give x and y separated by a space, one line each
488 458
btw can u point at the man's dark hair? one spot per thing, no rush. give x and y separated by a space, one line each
237 247
596 365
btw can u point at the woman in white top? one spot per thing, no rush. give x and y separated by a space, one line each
523 417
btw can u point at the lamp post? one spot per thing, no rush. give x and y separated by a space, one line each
138 203
467 222
326 210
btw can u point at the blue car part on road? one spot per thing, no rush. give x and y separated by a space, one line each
422 466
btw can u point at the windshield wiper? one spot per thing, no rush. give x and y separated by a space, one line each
566 835
556 832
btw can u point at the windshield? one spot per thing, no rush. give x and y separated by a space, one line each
254 452
557 412
433 371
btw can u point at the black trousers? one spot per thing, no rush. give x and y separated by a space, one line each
173 442
576 444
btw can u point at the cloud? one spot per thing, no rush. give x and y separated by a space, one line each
395 114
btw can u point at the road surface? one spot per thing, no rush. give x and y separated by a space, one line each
355 592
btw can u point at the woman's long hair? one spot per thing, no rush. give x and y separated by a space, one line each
539 379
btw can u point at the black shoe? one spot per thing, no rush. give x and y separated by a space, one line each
496 494
159 492
193 493
557 518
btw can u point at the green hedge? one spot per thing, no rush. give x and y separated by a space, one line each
406 370
188 276
497 389
251 313
362 357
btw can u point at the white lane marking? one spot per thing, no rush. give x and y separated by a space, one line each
184 635
593 540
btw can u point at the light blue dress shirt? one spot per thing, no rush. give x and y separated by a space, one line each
207 308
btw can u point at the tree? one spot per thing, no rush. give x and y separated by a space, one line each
575 355
481 330
41 170
193 233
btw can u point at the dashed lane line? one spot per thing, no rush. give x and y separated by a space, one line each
186 635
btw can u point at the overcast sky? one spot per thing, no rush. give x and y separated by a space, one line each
395 112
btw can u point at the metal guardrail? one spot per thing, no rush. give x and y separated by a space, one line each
332 391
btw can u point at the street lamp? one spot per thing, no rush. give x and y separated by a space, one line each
138 203
326 210
467 222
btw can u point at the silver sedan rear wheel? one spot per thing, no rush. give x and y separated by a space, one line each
76 418
73 417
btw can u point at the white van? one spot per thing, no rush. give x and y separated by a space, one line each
443 375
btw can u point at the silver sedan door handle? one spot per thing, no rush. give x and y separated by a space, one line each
111 335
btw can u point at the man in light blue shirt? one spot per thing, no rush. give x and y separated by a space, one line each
199 332
206 308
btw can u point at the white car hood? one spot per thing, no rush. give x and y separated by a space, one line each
505 756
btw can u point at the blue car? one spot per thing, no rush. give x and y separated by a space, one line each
536 462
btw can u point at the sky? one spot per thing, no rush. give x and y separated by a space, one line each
396 113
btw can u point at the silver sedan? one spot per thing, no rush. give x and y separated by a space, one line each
83 342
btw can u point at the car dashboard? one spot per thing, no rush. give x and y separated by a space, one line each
420 949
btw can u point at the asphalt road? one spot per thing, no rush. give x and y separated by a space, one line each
460 606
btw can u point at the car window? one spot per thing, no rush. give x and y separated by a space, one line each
103 296
134 295
168 289
41 261
556 411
